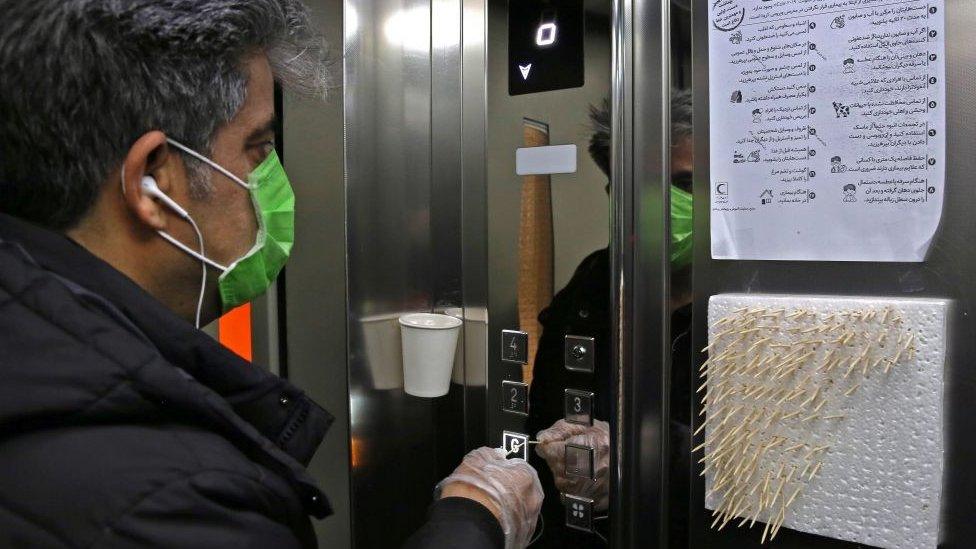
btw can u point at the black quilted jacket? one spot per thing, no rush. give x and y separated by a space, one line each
121 425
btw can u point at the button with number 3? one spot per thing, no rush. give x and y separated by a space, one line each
579 407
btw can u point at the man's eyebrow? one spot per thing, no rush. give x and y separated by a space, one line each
267 127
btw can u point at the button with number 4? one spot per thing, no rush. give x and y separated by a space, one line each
579 407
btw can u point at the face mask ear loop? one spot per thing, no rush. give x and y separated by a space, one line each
207 161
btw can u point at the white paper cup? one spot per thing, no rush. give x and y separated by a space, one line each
429 343
381 338
475 349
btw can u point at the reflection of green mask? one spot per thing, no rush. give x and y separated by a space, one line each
274 208
681 226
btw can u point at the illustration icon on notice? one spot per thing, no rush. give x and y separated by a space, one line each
850 193
837 165
766 197
524 69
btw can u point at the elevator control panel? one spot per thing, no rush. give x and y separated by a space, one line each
578 353
515 397
579 461
578 407
579 512
516 445
545 45
515 347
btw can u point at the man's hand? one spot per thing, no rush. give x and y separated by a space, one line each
509 488
552 448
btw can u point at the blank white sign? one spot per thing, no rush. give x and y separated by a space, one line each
545 160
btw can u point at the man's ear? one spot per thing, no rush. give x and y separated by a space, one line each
146 157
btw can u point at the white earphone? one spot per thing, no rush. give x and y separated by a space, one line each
149 187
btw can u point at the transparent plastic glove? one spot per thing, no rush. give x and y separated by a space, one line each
552 448
511 484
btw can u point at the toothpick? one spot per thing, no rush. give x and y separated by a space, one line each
779 523
782 483
815 471
814 451
851 391
765 531
793 497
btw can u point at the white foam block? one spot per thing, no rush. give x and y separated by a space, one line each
880 483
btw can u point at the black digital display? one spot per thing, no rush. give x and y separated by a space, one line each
545 45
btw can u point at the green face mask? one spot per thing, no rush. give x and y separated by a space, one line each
274 208
681 226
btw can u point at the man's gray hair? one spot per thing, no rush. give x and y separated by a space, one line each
83 79
681 126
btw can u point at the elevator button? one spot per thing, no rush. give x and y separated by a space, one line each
515 397
578 353
579 512
579 461
516 445
578 407
515 346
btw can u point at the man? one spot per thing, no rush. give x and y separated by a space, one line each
140 197
583 308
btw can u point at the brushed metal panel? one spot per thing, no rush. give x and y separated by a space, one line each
403 206
641 160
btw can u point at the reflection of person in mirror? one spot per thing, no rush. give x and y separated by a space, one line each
583 308
736 37
850 193
849 66
756 116
836 165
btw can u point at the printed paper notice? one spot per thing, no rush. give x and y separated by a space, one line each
827 128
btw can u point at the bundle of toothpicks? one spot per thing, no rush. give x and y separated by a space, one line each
773 378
